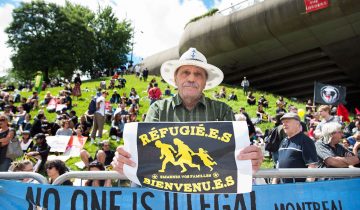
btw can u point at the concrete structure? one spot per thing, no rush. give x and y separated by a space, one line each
279 47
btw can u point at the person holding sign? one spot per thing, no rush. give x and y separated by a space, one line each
191 74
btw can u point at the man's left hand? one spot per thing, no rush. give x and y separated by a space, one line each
254 154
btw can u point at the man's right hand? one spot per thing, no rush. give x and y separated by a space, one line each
121 157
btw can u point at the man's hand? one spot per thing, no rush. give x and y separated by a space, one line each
121 157
254 154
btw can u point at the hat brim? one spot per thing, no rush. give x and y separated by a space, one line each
215 75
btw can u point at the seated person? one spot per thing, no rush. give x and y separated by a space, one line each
134 95
124 99
103 155
97 166
26 124
262 116
122 109
167 91
20 116
134 107
122 82
115 97
281 102
7 111
33 101
280 109
216 95
26 141
112 84
26 105
22 166
85 126
68 100
251 100
65 130
117 127
55 168
222 92
40 151
354 138
37 125
47 98
72 117
309 105
330 153
233 96
262 100
103 85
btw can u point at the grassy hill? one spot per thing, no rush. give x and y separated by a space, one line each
81 104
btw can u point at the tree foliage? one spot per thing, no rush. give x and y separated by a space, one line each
59 40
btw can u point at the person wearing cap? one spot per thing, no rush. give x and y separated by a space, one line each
331 153
245 85
40 151
99 116
191 74
26 142
297 150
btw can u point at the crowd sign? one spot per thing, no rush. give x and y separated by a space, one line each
329 94
313 5
326 195
189 157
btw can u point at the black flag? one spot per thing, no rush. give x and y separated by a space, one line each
329 94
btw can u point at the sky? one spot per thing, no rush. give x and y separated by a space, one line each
158 23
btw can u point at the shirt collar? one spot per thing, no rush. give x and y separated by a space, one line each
177 101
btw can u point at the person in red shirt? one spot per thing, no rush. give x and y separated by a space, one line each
154 93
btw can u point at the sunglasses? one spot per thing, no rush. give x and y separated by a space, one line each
50 167
2 120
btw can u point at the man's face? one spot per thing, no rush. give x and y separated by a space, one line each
290 126
191 81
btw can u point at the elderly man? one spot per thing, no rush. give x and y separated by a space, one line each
297 150
331 154
191 74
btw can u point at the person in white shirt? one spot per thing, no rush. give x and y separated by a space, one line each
99 116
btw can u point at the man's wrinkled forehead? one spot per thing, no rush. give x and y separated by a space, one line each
187 67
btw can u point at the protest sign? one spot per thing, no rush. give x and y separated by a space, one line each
189 157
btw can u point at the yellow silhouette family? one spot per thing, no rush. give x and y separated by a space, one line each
184 155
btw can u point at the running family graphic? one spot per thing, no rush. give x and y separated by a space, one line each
189 157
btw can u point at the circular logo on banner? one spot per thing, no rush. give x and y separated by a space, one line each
329 94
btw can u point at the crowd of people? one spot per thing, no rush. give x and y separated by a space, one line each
320 139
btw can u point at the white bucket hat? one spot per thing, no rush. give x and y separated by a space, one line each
195 58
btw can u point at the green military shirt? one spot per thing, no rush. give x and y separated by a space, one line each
173 110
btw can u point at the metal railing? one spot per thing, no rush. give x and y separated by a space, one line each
23 175
89 175
265 173
239 6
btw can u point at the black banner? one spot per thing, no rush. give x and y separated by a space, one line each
329 94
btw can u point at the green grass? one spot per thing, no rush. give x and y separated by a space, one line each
141 86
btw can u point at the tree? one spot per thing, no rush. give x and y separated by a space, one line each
60 40
31 35
113 40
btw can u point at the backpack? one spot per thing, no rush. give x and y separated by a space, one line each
272 140
92 106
